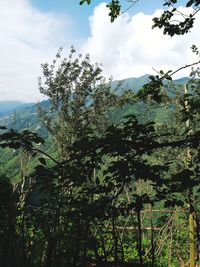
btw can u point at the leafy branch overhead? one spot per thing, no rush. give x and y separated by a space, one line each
167 21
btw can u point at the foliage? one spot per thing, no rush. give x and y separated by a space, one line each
168 20
79 96
95 200
75 199
102 188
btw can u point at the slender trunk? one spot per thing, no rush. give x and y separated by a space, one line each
11 252
190 195
152 237
49 253
197 237
191 231
115 240
139 237
170 251
23 241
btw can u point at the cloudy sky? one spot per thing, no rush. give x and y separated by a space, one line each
33 30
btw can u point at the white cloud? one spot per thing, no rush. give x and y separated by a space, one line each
130 48
127 48
28 38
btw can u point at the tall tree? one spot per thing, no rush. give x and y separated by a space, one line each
79 98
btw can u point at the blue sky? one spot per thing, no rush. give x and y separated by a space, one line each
80 13
33 30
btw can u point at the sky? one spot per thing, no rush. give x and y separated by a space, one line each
33 30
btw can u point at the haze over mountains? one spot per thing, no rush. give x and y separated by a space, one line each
11 106
19 116
134 84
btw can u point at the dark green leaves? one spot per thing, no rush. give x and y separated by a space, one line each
24 139
42 161
115 9
3 128
166 20
191 2
179 27
85 1
152 90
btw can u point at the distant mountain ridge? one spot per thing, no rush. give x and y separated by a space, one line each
11 106
131 83
26 117
135 84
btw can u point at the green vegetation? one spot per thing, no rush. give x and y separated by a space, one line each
114 179
113 184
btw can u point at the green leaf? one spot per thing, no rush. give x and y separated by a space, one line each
190 3
83 1
97 181
42 161
3 128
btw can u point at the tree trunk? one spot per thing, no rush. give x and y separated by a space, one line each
191 233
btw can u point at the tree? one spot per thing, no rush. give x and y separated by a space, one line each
13 199
79 97
89 193
171 26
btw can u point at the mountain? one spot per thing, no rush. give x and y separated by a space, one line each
7 106
182 80
134 84
26 113
11 106
26 116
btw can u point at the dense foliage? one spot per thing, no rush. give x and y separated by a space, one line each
109 192
104 190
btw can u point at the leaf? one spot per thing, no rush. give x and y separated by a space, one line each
3 128
97 181
173 202
189 3
83 1
161 72
42 161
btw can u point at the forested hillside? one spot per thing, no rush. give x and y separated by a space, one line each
104 173
19 115
26 116
9 106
